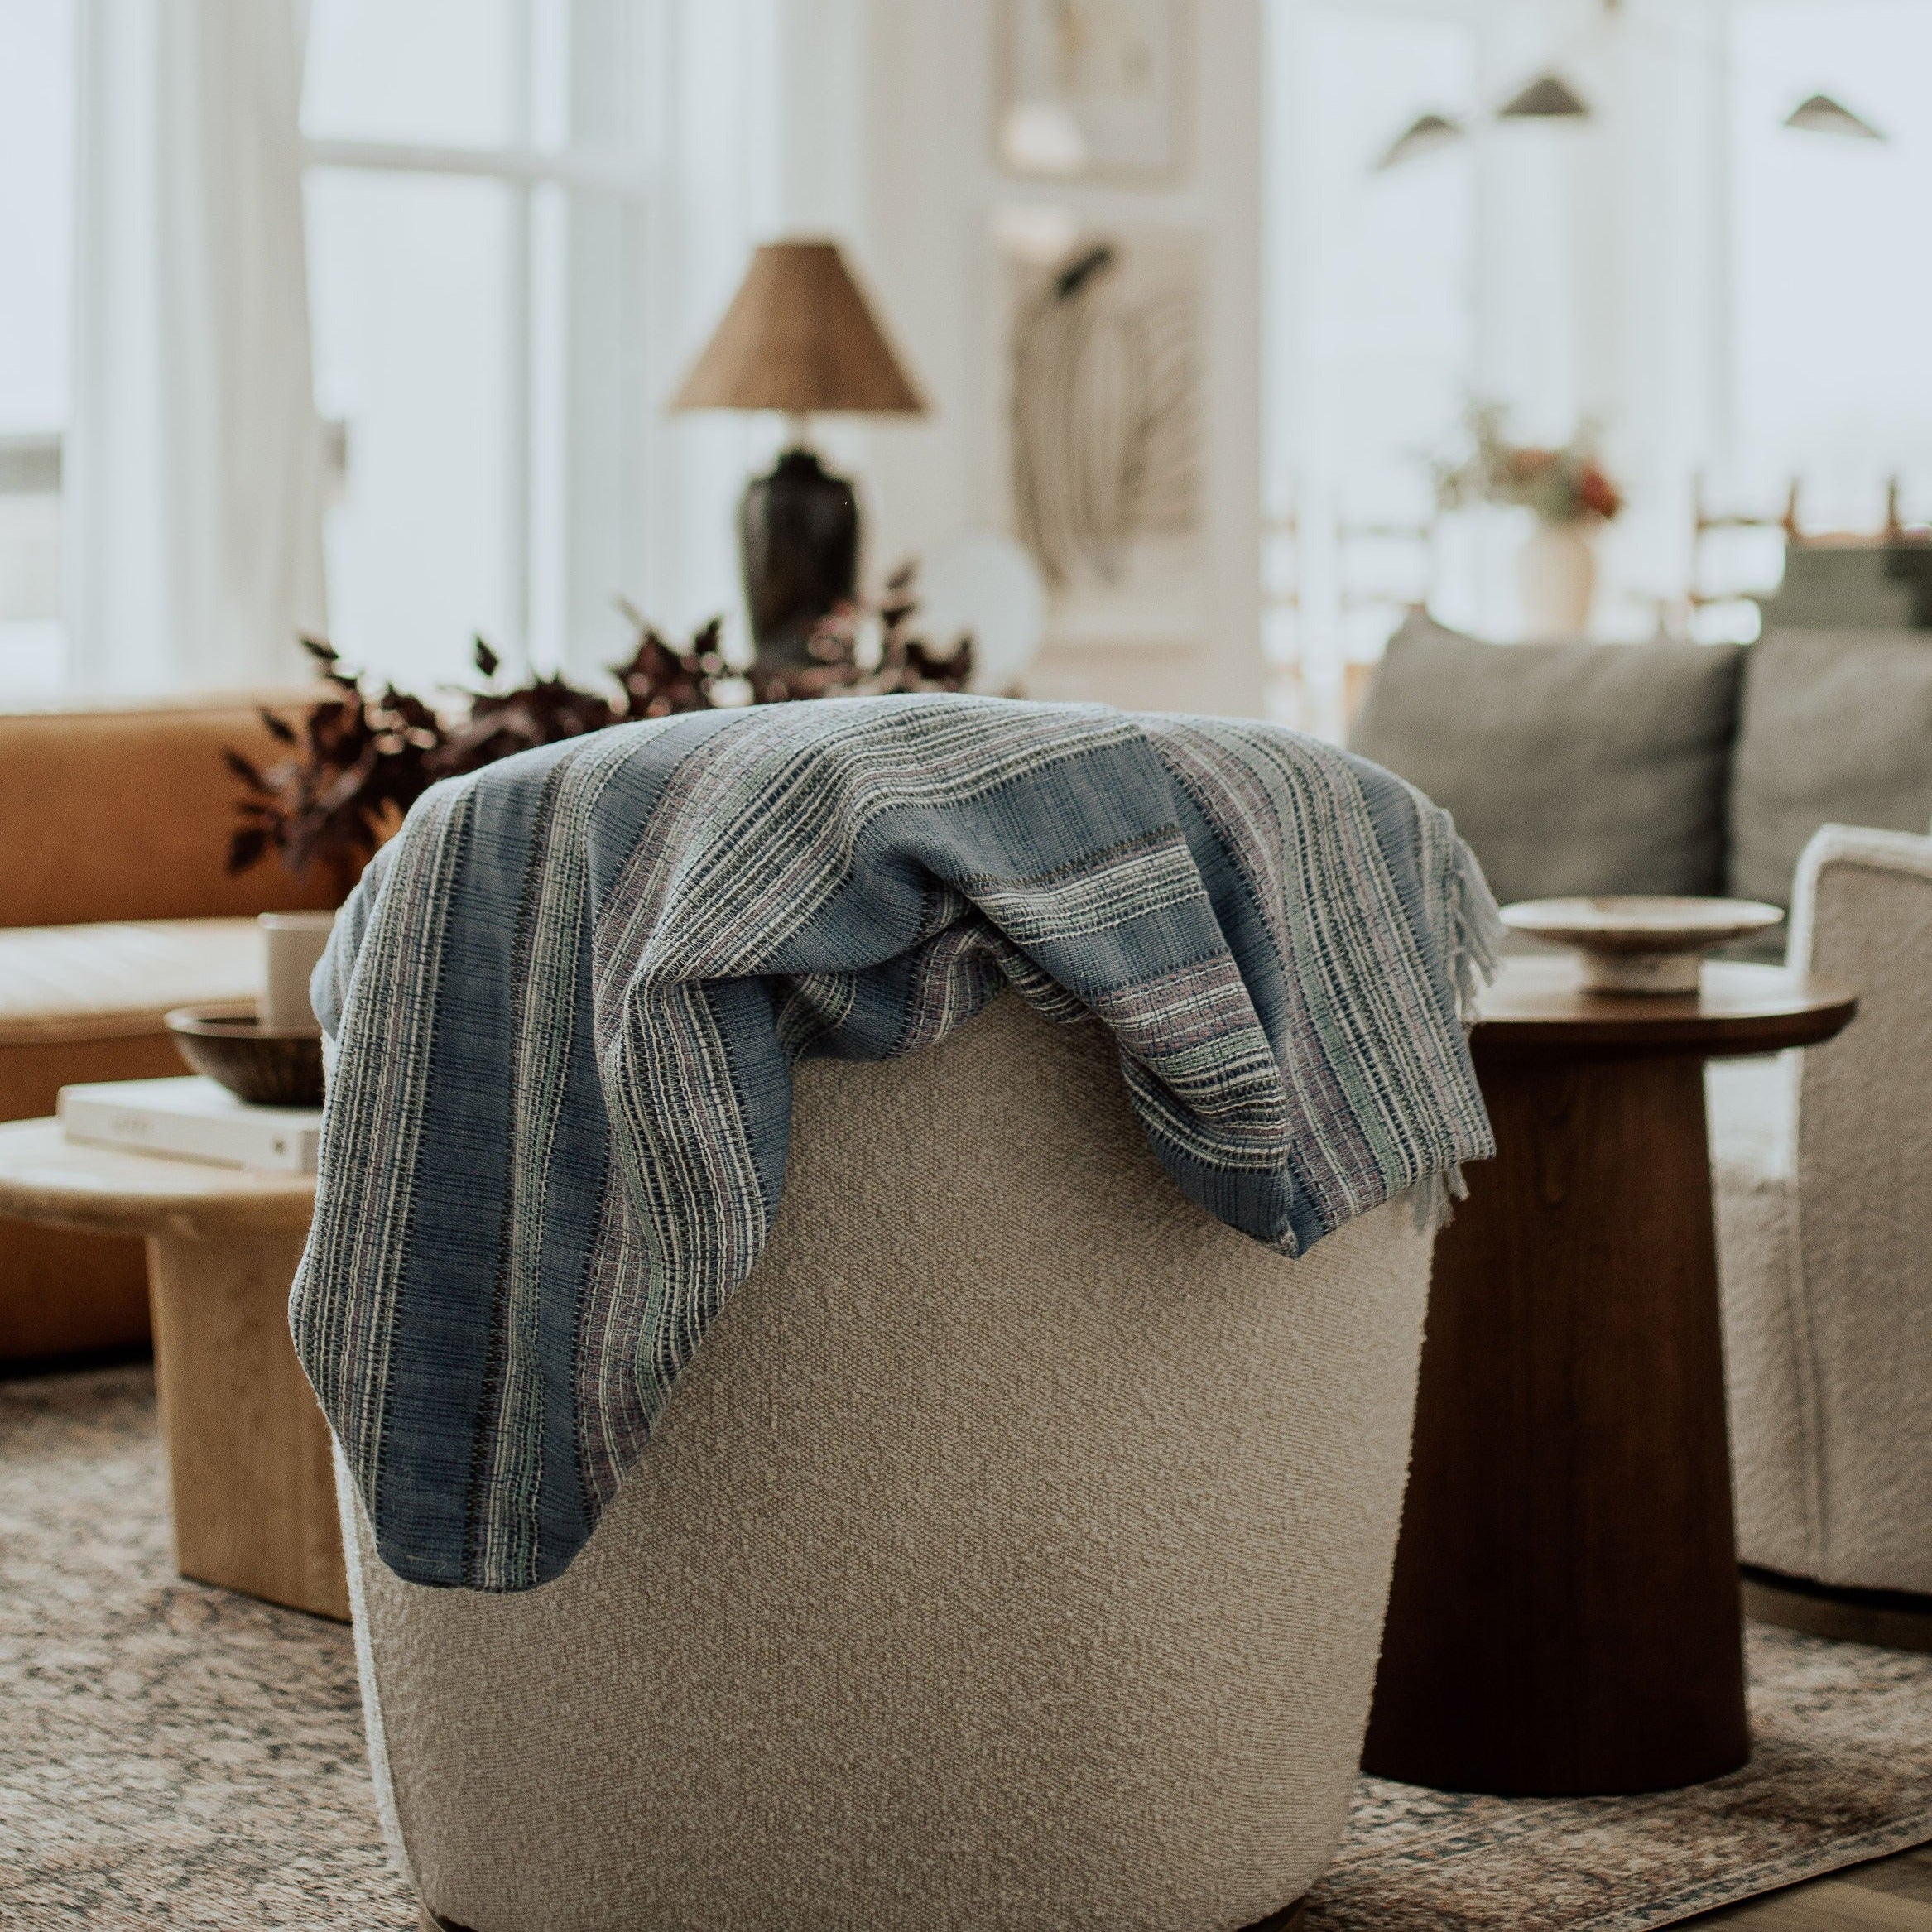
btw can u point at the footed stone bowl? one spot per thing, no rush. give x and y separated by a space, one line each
1634 944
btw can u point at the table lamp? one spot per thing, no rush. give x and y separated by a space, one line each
798 337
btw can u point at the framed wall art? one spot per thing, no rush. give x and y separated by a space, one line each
1092 89
1105 431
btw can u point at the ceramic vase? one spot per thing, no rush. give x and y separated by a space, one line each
1556 571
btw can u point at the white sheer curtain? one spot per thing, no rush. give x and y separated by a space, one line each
195 472
714 130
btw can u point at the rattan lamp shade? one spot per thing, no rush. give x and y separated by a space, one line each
799 336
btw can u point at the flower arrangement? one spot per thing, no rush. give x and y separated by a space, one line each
1567 485
361 758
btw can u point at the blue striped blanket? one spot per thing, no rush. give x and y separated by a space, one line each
563 1006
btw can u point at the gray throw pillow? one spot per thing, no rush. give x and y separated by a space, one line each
1836 729
1570 768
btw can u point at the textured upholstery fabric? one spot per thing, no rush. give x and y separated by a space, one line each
1570 768
1836 728
1826 1253
1766 1349
1753 1106
1013 1554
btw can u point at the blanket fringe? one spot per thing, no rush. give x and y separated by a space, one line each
1479 935
1432 1202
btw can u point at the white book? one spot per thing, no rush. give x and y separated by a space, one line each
192 1118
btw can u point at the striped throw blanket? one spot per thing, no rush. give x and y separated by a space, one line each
563 1004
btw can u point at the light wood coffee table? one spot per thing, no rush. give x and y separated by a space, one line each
249 1451
1565 1618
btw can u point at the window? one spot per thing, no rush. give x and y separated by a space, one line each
1372 335
524 214
1737 303
1832 282
36 230
475 206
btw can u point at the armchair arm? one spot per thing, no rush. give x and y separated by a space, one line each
1862 913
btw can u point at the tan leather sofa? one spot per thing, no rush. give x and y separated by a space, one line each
114 906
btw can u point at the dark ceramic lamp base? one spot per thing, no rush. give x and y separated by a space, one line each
798 534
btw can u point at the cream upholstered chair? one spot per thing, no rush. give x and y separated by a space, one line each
1013 1554
1824 1164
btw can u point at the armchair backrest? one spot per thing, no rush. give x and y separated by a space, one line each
1013 1552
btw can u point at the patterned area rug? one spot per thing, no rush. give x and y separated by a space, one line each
176 1756
1841 1771
170 1755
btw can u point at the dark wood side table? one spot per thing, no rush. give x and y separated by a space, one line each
249 1460
1565 1618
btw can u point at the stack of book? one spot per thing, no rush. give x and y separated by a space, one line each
193 1119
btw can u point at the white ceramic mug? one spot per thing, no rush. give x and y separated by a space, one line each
291 943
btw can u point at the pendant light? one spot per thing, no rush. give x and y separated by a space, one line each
1820 114
1425 132
1548 98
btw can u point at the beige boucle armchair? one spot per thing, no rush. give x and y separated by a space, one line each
1013 1556
1824 1168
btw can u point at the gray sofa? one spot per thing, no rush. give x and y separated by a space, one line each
1670 768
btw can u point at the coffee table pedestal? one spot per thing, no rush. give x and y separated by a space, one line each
1564 1618
249 1459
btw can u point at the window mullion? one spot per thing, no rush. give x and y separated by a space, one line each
588 170
518 534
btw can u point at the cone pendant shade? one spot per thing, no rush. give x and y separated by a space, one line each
1425 133
1549 97
1820 114
799 336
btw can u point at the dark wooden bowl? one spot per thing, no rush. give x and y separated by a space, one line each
270 1066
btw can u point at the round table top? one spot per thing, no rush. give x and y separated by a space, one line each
1540 1003
45 1177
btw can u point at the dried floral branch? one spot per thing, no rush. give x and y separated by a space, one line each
1569 485
360 759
